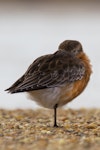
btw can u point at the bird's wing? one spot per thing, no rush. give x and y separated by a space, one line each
50 71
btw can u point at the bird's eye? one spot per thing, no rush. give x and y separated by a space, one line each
74 51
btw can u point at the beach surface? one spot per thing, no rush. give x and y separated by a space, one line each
33 129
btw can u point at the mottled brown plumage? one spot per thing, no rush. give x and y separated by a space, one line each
55 79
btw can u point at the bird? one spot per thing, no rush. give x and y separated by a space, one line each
54 80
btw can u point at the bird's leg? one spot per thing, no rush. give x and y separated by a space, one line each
55 116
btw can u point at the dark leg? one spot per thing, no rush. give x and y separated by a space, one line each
55 116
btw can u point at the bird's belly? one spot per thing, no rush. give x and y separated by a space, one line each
49 97
46 97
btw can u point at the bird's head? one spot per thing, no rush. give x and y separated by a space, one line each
71 46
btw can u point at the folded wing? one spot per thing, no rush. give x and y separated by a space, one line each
49 71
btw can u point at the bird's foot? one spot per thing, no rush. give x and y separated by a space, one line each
55 126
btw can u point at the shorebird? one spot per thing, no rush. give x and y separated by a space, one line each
55 79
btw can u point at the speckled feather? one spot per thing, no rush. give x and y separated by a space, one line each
48 71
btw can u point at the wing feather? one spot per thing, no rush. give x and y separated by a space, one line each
50 71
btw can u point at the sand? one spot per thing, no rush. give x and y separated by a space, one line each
33 130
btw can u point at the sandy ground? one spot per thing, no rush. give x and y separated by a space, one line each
33 130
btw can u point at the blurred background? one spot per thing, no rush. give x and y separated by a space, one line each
29 29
